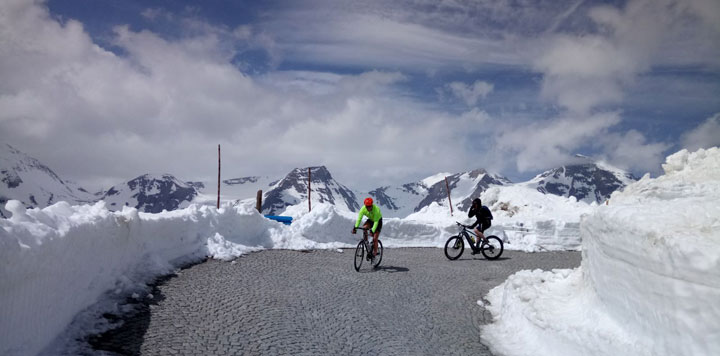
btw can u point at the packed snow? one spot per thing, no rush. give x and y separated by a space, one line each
649 282
61 266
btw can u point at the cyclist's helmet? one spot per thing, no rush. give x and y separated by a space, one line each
368 202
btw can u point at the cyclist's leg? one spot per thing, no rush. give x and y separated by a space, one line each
376 236
481 234
367 225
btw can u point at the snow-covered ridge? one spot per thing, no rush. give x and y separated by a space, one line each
154 193
25 179
406 199
151 194
649 282
588 181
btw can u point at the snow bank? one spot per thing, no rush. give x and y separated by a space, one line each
331 228
57 261
529 220
534 221
649 282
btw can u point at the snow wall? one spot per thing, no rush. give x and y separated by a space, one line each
653 256
56 261
649 282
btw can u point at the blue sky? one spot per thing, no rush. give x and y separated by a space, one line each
407 88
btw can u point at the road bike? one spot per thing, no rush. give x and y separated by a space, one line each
491 248
363 252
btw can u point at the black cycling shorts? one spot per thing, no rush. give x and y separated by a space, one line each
484 225
369 224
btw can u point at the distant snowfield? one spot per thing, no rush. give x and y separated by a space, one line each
57 262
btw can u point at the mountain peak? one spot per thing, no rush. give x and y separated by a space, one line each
26 179
589 181
293 189
151 193
317 173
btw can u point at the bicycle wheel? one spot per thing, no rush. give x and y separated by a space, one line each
454 248
379 256
359 255
493 248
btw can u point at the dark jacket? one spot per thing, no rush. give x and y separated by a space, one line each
482 214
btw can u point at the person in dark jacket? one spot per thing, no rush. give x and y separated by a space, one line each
483 216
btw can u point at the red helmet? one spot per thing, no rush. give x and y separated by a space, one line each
368 202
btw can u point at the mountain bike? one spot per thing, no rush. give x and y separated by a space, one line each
492 248
363 252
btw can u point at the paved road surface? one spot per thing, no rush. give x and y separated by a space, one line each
314 303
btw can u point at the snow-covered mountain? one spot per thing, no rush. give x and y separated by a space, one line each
589 182
151 194
233 189
293 189
400 201
25 179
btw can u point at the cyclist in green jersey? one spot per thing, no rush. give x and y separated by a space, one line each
373 222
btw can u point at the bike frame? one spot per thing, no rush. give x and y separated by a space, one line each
466 232
366 243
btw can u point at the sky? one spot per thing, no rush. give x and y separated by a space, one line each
379 92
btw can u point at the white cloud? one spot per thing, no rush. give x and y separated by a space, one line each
476 117
586 73
375 41
631 151
541 145
165 105
706 135
470 94
582 72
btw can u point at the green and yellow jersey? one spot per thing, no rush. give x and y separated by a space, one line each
374 214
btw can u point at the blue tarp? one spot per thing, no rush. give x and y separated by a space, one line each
283 219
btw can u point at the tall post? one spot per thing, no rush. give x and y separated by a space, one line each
258 201
309 180
218 200
447 186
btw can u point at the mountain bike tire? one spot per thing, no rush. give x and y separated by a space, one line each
359 255
379 256
454 248
493 249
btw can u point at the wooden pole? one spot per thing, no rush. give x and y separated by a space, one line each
447 186
218 200
309 180
258 201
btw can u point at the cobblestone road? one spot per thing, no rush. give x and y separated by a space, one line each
314 303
